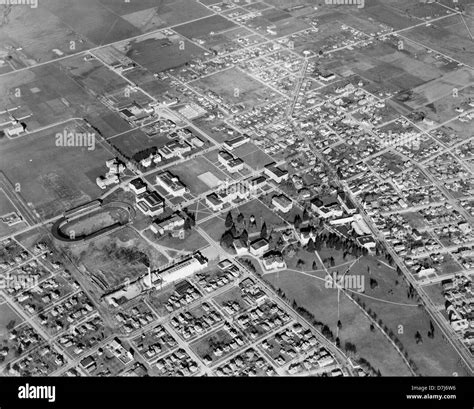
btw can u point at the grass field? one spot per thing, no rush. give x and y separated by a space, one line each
453 41
53 178
389 300
164 14
190 171
392 305
116 257
203 27
7 316
192 241
158 53
6 206
215 227
322 302
235 87
44 32
441 88
95 22
252 156
48 94
386 15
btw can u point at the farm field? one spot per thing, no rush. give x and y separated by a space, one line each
95 22
452 41
167 13
44 33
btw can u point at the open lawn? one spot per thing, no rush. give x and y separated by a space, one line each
311 294
389 300
192 241
252 156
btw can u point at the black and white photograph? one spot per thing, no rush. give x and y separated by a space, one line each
194 193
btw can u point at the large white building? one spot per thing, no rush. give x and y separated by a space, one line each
237 191
282 203
171 184
159 279
151 203
259 247
137 186
179 271
175 222
275 173
231 163
236 142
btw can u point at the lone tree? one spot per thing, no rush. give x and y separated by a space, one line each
240 218
229 221
373 283
297 221
339 324
310 246
189 223
227 239
305 215
244 236
431 331
418 337
263 231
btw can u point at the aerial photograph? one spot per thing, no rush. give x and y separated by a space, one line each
205 189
